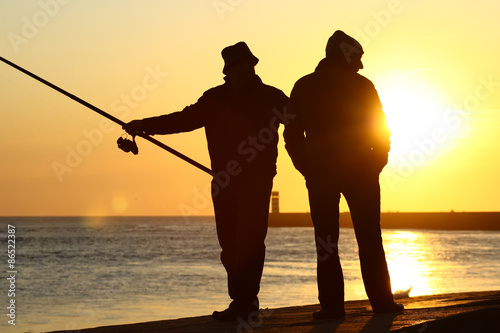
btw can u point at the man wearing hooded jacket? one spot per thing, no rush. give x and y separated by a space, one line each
339 141
241 119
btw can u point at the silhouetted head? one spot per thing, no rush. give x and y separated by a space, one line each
238 60
344 51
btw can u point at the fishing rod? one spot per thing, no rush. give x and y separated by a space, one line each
122 143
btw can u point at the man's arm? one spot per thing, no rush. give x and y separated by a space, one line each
190 118
381 143
294 134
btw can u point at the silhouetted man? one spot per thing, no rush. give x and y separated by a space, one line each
241 119
339 141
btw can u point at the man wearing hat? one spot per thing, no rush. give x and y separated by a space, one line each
339 141
241 119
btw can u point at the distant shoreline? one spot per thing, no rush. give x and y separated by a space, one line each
487 221
480 221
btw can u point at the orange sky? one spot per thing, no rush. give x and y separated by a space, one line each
434 63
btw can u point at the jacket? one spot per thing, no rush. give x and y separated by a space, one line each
241 126
339 122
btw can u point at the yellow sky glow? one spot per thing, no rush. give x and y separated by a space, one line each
435 66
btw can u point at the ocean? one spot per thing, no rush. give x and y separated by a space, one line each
70 273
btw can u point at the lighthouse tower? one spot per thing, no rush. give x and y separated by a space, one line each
275 202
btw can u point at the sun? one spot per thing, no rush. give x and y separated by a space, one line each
414 112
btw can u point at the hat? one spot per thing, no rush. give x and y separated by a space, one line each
236 52
341 47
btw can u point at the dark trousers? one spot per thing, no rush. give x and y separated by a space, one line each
241 214
362 193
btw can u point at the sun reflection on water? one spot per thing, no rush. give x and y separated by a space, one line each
407 263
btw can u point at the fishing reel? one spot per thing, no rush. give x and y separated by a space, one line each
127 145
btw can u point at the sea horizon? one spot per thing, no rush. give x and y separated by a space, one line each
450 220
211 215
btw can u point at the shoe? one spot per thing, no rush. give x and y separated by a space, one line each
328 314
394 307
234 311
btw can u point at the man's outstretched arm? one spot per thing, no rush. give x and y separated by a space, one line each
190 118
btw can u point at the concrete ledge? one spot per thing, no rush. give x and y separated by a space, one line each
461 312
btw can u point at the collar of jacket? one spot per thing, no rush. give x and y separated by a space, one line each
326 63
254 81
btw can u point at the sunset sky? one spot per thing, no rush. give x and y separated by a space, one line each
435 64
